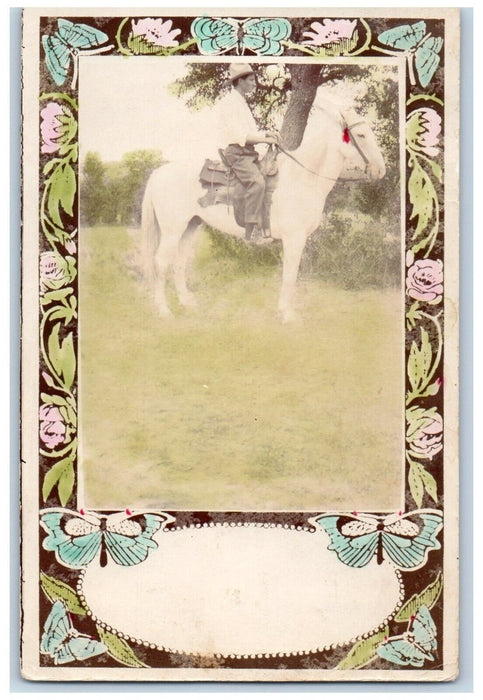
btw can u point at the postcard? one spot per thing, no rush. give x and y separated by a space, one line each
240 345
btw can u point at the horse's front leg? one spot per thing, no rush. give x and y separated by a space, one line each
292 253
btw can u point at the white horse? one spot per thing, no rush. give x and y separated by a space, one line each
171 214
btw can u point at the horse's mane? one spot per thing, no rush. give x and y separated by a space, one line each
323 112
333 109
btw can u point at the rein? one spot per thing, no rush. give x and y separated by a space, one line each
354 140
332 179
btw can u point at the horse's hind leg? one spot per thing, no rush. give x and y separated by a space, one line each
163 260
181 263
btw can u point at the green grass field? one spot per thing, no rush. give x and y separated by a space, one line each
227 409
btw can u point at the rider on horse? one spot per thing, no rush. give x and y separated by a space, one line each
238 135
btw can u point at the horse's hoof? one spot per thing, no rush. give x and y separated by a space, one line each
287 316
164 313
189 302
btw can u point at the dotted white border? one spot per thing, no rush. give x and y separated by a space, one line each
277 655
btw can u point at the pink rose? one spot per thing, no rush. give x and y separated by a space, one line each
50 127
52 426
156 31
423 130
55 271
425 281
57 127
425 438
330 31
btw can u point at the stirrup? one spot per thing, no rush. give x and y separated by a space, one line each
263 240
258 236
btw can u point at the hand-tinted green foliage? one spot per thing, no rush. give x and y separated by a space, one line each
353 251
93 189
278 86
111 193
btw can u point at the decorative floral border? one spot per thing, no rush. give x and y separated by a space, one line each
63 39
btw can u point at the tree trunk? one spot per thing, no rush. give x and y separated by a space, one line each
304 84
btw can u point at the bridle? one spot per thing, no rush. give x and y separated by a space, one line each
354 140
355 144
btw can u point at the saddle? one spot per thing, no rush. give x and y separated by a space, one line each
223 187
218 179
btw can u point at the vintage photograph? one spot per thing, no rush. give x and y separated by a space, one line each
241 343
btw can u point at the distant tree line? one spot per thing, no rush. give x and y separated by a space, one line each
111 193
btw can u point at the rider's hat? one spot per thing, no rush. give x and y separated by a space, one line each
239 70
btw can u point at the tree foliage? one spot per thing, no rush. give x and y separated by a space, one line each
111 193
93 188
287 89
346 244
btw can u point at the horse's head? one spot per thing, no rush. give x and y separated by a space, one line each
358 134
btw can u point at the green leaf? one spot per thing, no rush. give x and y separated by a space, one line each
53 399
427 597
61 313
62 96
437 172
50 165
62 355
429 239
70 125
69 416
419 361
363 652
56 295
48 380
419 197
422 196
431 389
74 152
429 484
413 314
66 149
66 484
58 590
119 649
69 360
53 232
416 483
61 192
60 471
414 129
426 98
139 46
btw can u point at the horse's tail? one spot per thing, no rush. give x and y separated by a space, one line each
151 233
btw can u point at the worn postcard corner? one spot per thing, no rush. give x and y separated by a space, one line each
240 350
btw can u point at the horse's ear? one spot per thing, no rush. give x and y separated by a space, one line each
346 136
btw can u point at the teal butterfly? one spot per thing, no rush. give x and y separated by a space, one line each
415 646
403 539
261 36
423 48
78 538
68 41
62 642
